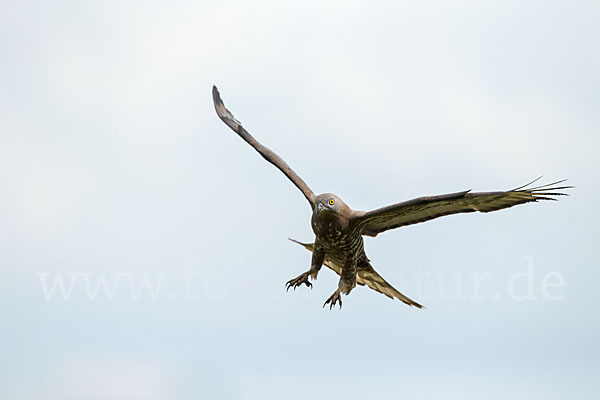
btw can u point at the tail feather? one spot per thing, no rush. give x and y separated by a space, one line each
368 277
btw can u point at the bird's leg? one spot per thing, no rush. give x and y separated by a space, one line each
335 298
347 276
346 284
317 261
298 281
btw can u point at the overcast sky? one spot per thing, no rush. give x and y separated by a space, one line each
169 234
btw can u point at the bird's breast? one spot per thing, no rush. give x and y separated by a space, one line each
334 236
327 226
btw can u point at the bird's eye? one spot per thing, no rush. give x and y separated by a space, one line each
331 201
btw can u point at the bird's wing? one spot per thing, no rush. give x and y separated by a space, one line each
425 208
227 117
368 277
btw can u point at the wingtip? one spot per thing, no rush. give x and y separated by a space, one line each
223 113
216 95
530 183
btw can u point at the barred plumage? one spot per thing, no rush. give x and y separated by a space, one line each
339 229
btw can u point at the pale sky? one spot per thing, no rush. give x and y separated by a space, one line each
116 171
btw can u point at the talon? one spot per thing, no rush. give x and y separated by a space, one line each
299 281
336 297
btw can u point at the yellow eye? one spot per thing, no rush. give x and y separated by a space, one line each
331 201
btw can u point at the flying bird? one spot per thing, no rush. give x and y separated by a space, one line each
339 230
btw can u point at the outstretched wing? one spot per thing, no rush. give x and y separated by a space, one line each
367 277
426 208
227 117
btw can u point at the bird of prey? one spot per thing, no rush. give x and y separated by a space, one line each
339 230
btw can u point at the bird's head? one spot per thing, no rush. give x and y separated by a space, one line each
329 203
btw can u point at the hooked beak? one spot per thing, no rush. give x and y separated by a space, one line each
319 207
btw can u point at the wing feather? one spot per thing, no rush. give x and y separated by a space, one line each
227 117
426 208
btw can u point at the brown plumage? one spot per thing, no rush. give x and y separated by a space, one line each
339 230
365 275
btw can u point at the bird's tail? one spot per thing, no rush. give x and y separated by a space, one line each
367 276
